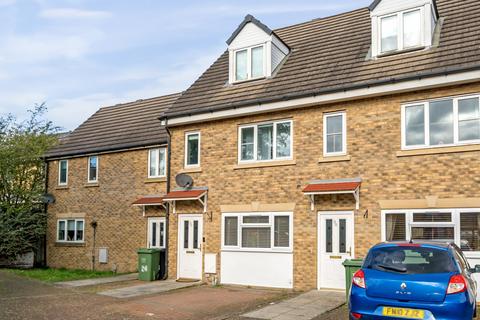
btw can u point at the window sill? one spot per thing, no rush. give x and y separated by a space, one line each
437 150
61 188
156 180
191 170
70 244
335 159
265 164
92 185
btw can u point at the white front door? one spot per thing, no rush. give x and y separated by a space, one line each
190 231
335 234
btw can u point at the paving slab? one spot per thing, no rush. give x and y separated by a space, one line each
149 288
303 307
96 281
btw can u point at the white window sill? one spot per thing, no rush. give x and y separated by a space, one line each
438 150
258 164
155 179
191 169
336 158
70 243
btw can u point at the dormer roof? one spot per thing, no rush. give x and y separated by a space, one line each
375 3
249 19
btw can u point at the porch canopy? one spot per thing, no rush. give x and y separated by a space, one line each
193 194
336 186
149 201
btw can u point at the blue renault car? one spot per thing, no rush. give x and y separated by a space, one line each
414 280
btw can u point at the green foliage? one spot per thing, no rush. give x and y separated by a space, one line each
57 275
22 180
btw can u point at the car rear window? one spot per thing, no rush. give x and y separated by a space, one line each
409 260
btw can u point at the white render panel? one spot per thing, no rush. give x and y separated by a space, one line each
263 269
391 6
280 45
249 36
277 56
210 262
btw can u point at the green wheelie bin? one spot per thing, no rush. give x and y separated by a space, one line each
351 266
148 264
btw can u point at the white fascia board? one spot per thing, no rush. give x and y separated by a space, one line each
347 95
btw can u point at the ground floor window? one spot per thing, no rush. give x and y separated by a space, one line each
70 230
257 231
156 232
461 226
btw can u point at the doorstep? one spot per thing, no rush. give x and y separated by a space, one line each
303 307
96 281
149 288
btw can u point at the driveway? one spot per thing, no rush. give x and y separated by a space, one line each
22 298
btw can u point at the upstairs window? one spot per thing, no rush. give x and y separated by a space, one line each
445 122
265 141
401 31
334 134
157 163
63 172
192 149
249 63
93 169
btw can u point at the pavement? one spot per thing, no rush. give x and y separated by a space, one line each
303 307
148 288
97 281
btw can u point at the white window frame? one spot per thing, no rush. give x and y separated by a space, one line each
455 223
88 170
249 63
187 134
255 141
426 106
270 224
400 31
157 164
60 183
344 134
66 230
158 220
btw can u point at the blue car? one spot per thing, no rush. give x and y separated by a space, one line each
414 280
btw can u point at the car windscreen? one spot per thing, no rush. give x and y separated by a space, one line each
409 260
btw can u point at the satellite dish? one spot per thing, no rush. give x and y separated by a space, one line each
184 180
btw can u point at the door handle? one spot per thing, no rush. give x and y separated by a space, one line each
349 252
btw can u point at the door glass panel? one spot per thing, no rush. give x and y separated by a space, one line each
470 231
185 234
162 232
329 235
195 234
342 236
154 234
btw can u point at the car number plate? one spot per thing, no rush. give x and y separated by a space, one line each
403 313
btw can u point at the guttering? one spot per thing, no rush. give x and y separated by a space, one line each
332 95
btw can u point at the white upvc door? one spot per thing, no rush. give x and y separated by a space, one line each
335 244
190 235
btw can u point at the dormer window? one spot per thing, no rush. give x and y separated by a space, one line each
401 31
249 63
402 26
255 51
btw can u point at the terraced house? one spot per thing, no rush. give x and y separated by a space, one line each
306 145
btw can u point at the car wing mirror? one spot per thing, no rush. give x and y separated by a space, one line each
476 269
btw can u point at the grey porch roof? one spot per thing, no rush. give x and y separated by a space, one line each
330 55
123 126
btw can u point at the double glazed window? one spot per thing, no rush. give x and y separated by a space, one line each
93 169
192 149
461 226
400 31
334 134
157 163
156 232
263 231
266 141
70 230
249 63
443 122
63 172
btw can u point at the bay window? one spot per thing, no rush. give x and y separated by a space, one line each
265 142
400 31
157 162
443 122
70 230
461 226
257 231
249 63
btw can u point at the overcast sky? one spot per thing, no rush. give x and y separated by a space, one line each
79 55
